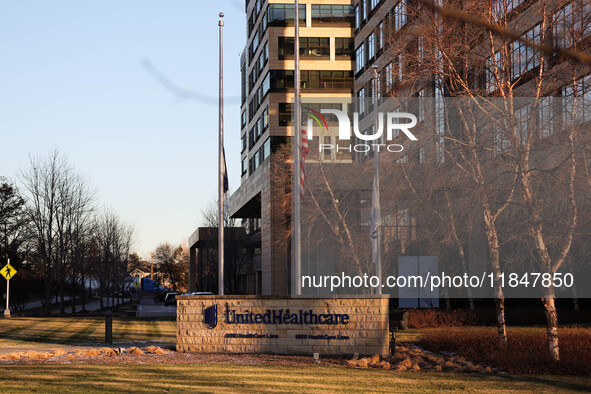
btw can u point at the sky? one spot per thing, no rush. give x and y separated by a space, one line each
79 76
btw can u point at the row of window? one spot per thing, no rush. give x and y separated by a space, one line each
309 47
315 47
258 97
259 127
254 15
375 42
326 13
501 8
388 78
259 35
552 113
568 27
312 79
284 113
258 67
363 9
258 158
571 23
284 15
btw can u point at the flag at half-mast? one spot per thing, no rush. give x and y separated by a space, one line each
376 219
226 184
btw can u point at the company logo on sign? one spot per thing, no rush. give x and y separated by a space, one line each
210 316
389 125
273 316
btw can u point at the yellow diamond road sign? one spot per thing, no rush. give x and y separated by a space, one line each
8 272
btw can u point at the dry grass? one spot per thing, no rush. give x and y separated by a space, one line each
240 378
429 318
526 351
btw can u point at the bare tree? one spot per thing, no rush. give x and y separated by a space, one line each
482 54
170 260
42 183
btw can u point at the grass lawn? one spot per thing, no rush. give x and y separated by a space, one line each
232 378
21 333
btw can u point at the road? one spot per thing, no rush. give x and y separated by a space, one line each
149 308
55 308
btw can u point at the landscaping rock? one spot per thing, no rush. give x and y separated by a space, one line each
407 363
58 352
383 365
363 363
374 360
135 351
107 351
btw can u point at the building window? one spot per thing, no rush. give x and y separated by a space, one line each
309 47
371 46
281 79
266 84
380 36
243 140
284 114
422 154
546 117
344 47
326 13
265 119
357 17
578 109
267 148
362 10
420 49
244 84
244 166
388 77
284 14
361 95
571 23
265 53
243 120
360 58
398 15
522 122
523 57
493 68
374 3
421 105
501 8
399 62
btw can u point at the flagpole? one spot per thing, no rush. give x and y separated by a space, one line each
378 243
297 252
221 164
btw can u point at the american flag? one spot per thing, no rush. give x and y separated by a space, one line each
304 149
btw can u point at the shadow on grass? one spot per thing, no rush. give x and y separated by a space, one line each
551 381
81 331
